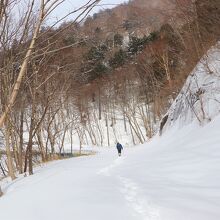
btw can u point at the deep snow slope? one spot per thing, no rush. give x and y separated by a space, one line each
173 177
199 99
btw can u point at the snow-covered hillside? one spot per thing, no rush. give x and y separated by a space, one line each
199 99
175 176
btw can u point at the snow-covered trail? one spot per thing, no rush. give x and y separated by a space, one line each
173 177
79 188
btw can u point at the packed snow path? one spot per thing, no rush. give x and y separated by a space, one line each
174 177
79 188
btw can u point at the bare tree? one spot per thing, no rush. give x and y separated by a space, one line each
26 36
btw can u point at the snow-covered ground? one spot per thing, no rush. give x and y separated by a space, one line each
173 177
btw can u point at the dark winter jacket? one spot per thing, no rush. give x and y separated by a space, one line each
119 146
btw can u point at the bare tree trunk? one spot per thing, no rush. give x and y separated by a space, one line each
9 157
91 132
100 110
23 66
132 134
1 193
41 145
52 142
63 139
136 131
99 129
20 155
71 140
26 160
30 146
79 132
124 118
3 170
107 129
14 147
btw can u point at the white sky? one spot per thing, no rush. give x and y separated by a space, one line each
70 5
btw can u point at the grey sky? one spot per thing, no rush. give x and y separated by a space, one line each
70 5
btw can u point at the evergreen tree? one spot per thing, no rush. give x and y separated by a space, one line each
118 39
118 59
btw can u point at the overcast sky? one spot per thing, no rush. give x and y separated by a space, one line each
70 5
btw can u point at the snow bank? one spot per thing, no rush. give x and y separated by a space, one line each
199 99
177 176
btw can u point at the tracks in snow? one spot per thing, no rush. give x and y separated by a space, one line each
106 171
132 193
135 199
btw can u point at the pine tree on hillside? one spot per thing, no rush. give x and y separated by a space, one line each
118 59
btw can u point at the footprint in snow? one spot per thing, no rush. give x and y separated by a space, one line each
136 201
107 170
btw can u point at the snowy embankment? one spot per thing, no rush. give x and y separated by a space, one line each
199 99
172 177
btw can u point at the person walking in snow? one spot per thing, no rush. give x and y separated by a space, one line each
119 148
